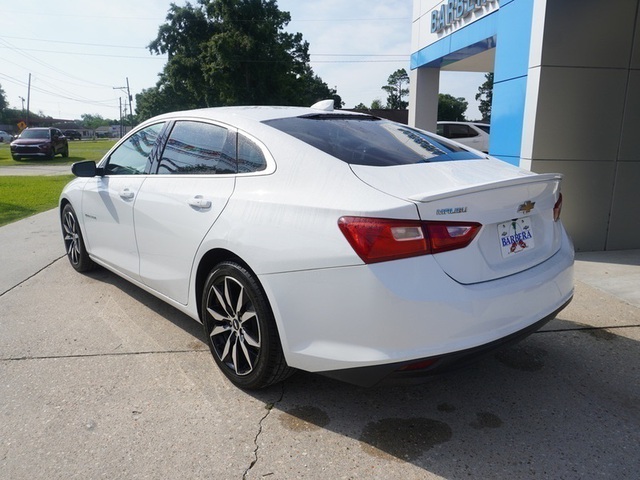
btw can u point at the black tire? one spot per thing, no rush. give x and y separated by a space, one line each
73 242
65 152
240 328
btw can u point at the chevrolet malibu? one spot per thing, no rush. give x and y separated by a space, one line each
326 241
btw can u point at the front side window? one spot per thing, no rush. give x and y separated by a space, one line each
199 148
131 157
366 140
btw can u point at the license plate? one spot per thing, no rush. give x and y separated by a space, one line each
515 236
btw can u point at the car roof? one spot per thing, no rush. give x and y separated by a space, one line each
248 115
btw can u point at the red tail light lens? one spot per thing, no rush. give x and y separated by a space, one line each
557 208
381 239
445 236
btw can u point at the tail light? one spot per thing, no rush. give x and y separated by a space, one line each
381 239
557 208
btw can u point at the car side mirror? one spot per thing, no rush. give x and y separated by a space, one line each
87 168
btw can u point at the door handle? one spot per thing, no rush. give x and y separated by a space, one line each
126 194
200 202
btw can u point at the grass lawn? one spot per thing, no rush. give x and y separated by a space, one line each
23 196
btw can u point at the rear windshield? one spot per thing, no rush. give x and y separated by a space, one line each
366 140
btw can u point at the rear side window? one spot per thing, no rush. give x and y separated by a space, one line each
199 148
365 140
250 156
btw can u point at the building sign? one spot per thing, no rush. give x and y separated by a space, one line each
453 12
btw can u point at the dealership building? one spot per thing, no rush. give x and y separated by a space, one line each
566 97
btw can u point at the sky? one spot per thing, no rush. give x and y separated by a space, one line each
81 53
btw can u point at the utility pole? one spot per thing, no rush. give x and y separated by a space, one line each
120 111
22 98
28 99
130 103
128 91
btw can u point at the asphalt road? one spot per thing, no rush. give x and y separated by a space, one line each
98 379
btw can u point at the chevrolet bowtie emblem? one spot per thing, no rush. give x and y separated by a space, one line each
526 207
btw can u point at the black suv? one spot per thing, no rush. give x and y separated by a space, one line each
40 142
73 134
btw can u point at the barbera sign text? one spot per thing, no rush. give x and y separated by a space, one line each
452 12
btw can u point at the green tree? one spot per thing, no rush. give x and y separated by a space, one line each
94 121
361 106
451 108
231 52
397 88
485 95
377 104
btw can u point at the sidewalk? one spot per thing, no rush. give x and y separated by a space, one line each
28 246
32 170
616 272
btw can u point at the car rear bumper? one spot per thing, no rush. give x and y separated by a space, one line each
379 318
421 369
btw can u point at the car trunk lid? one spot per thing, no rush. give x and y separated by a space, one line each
514 206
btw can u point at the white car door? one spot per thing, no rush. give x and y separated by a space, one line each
177 206
108 202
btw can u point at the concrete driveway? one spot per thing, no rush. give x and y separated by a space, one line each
98 379
35 170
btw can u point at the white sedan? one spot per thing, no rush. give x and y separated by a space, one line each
471 134
5 137
321 240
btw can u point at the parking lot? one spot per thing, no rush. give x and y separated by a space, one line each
99 379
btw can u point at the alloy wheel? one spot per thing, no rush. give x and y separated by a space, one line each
235 334
71 237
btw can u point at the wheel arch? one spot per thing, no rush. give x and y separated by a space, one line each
210 260
63 203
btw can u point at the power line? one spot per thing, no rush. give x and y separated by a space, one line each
98 103
148 57
73 43
47 65
156 56
54 14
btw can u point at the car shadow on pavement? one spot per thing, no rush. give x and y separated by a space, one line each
560 404
159 307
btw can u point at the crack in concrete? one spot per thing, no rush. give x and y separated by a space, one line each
90 355
269 407
31 276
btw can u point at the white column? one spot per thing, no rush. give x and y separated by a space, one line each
424 85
